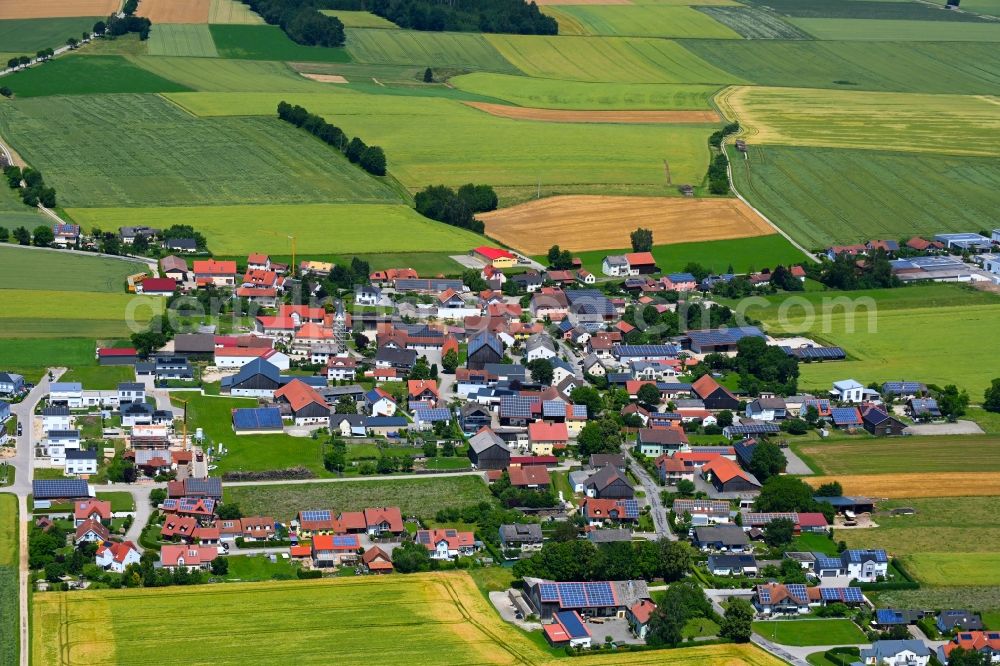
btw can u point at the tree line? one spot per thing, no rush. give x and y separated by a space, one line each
457 208
510 16
301 21
34 191
369 158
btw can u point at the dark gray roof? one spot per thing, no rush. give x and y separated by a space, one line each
609 535
605 477
485 340
43 489
604 459
888 649
396 356
521 533
211 486
727 535
84 454
197 343
485 439
131 386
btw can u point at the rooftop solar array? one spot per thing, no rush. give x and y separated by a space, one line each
645 350
851 595
578 595
845 415
824 562
59 488
819 353
798 591
516 406
724 336
552 408
889 616
255 419
572 624
753 429
345 541
631 508
761 518
316 515
764 594
423 537
862 555
903 387
433 413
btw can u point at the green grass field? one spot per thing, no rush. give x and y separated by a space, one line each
222 75
985 599
875 10
898 30
359 19
744 254
608 59
55 270
810 632
823 196
479 147
30 356
98 377
181 39
252 568
232 12
550 94
8 579
646 21
171 158
950 568
988 7
415 496
926 67
947 124
26 36
752 23
267 42
464 50
439 618
318 228
911 454
79 75
45 313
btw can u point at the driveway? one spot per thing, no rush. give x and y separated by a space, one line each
794 464
652 490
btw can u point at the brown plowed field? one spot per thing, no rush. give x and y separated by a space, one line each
923 484
605 222
26 9
561 116
175 11
325 78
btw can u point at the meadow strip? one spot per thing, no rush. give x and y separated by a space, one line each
626 117
909 454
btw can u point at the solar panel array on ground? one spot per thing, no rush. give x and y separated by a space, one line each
263 418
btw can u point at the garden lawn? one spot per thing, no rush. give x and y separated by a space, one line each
925 67
120 501
251 568
479 147
181 39
86 75
26 36
439 618
551 94
319 228
100 377
463 50
948 124
909 454
810 632
608 59
646 21
172 158
866 194
268 42
46 270
29 313
415 496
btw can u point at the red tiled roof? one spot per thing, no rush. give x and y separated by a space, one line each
540 431
706 385
386 514
299 395
212 267
170 555
974 641
643 610
640 259
158 284
93 526
415 387
325 542
454 538
724 469
84 509
117 351
492 253
260 259
353 520
300 551
528 475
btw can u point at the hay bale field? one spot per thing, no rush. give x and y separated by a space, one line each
428 618
29 9
603 222
945 124
922 484
626 117
175 11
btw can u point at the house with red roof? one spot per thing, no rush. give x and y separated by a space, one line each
376 561
422 390
258 262
117 356
547 437
567 629
275 326
178 526
728 477
91 509
116 556
189 557
330 550
303 403
531 477
447 544
638 616
383 520
388 277
156 287
983 642
641 263
599 511
495 257
713 394
91 531
341 367
216 273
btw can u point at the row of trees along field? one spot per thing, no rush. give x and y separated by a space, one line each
369 158
457 208
301 21
34 191
511 16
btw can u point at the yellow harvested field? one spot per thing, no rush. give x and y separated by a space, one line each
924 484
27 9
233 12
175 11
425 618
605 222
627 117
324 78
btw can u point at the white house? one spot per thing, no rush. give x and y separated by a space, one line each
865 565
991 262
847 390
615 265
766 409
380 403
561 370
131 392
447 544
57 443
341 367
909 652
68 394
117 556
367 295
81 462
539 346
56 418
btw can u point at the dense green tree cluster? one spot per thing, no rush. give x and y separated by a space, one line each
718 176
457 208
764 367
844 272
581 560
512 16
301 20
682 602
369 158
34 191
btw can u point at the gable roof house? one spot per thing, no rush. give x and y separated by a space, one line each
523 537
446 544
488 451
116 556
189 557
729 538
655 442
713 394
302 403
483 349
964 620
767 409
984 642
732 565
909 652
879 423
217 273
608 482
256 379
728 477
778 598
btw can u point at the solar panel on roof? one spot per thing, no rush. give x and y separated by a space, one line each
423 537
798 591
600 594
345 541
829 594
845 415
764 595
553 408
316 515
820 353
58 488
853 595
516 406
631 508
548 592
571 622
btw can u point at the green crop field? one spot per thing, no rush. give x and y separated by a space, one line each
483 148
608 59
646 21
810 632
30 356
823 196
8 579
911 454
360 19
753 23
415 496
744 254
100 378
233 12
321 228
169 157
550 94
892 66
948 124
55 270
873 10
988 7
181 39
267 42
951 568
222 75
78 75
440 618
899 31
54 314
26 36
463 50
